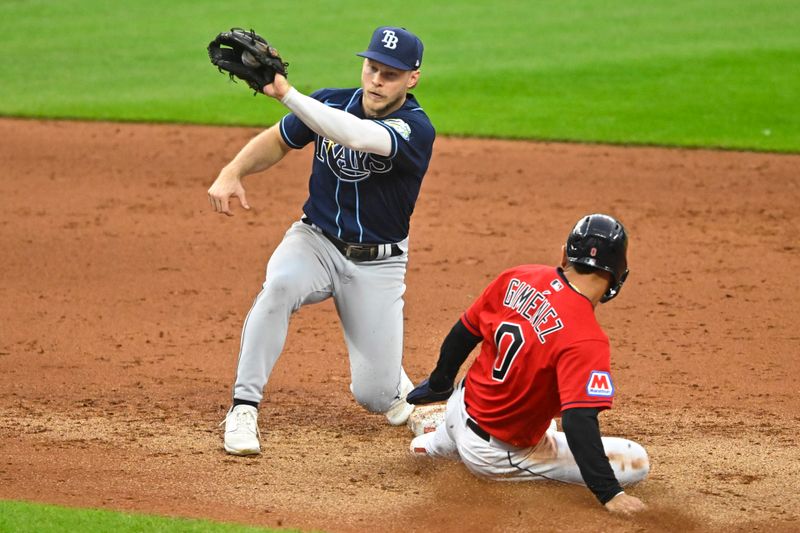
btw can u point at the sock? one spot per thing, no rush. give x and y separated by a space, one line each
237 401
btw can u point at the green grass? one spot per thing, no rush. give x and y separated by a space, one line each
691 73
20 517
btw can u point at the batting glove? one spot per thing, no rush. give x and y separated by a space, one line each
423 394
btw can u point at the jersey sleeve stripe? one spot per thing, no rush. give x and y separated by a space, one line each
467 324
586 403
393 136
285 136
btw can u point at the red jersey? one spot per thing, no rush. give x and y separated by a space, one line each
543 351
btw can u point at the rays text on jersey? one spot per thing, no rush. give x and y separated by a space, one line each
348 164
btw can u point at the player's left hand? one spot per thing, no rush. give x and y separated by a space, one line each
625 504
247 56
423 394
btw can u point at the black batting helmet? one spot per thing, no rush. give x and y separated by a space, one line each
599 241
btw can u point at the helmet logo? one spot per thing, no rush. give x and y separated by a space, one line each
593 251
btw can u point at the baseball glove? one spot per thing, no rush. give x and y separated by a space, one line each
423 394
246 55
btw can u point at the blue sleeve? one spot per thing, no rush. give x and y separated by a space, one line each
294 132
412 137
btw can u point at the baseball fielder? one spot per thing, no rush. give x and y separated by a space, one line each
372 146
543 355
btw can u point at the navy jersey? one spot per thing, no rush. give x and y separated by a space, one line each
361 197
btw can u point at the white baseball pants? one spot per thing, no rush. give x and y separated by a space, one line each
550 459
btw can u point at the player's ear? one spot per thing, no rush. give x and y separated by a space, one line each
564 256
413 80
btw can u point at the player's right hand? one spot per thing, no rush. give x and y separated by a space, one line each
221 191
278 88
625 504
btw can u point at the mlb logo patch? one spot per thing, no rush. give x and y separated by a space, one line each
557 285
600 384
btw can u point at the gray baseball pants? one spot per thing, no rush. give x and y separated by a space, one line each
307 268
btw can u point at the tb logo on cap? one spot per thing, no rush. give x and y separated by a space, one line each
389 39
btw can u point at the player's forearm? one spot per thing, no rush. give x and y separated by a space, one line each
586 444
455 349
340 126
263 151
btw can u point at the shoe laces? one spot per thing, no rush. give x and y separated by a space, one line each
242 418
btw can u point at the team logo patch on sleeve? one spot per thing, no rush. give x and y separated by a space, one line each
600 384
400 126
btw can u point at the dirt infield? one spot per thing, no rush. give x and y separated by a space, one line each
122 299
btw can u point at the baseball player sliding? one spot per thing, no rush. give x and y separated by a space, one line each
372 146
543 355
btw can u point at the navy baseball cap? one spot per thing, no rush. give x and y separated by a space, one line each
396 47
